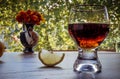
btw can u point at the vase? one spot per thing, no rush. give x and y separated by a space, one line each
28 38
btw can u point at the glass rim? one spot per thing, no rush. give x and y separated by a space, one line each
89 9
100 7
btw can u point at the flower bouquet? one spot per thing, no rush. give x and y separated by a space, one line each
30 17
28 37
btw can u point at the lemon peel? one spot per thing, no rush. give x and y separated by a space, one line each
2 48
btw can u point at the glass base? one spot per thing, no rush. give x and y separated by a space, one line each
87 66
87 62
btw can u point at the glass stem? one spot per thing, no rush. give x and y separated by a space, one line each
87 54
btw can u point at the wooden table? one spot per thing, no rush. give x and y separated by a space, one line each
19 66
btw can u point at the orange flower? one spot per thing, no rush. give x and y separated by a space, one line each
30 16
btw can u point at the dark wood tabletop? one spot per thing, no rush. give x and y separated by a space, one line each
16 65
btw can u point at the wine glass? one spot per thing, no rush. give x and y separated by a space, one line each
88 26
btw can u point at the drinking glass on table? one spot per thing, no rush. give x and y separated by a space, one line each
88 26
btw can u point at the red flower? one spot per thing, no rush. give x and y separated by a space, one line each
30 16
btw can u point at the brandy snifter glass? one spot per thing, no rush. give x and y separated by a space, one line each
88 26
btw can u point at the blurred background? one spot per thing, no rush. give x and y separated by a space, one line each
53 34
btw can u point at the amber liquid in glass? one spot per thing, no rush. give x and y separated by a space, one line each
88 35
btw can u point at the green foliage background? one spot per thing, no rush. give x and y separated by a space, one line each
53 34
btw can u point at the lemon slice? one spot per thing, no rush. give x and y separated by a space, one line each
49 58
2 48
